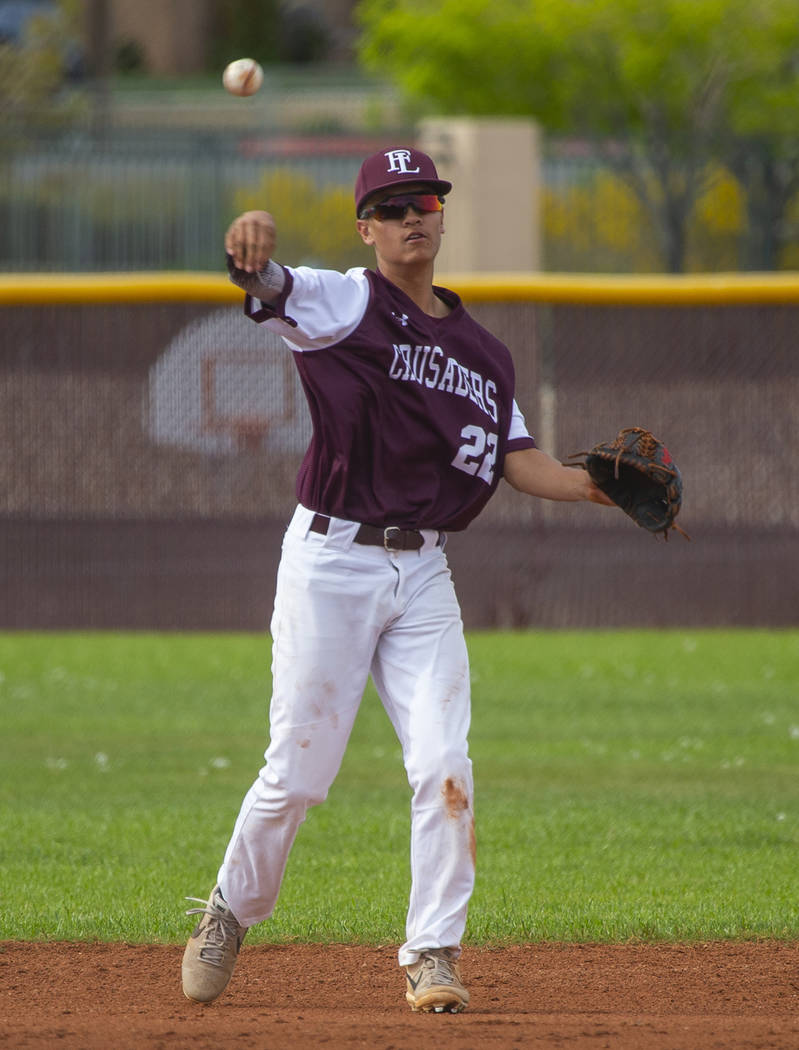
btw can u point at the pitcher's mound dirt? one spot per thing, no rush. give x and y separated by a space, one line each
717 996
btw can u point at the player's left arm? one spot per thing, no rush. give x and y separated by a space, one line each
538 474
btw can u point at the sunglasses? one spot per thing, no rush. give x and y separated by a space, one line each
395 207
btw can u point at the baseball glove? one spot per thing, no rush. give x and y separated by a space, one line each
637 472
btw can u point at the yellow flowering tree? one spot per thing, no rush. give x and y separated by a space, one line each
315 226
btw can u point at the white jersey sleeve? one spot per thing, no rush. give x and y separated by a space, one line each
517 428
324 306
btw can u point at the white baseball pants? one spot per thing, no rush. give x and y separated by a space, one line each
343 610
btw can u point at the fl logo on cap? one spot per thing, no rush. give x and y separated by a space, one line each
398 161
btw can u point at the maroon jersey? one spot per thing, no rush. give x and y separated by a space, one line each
412 415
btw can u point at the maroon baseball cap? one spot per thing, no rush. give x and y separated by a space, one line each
391 167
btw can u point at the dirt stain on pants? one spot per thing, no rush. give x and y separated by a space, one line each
457 802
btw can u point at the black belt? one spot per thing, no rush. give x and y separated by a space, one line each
392 538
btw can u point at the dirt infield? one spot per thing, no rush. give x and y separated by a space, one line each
582 997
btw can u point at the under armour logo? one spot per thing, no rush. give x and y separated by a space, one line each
398 160
401 319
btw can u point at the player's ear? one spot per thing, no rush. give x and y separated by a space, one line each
362 226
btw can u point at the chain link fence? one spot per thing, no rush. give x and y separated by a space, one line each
160 198
154 201
148 454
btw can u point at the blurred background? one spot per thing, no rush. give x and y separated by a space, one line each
667 134
148 448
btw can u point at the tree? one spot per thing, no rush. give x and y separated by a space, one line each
762 146
653 85
33 70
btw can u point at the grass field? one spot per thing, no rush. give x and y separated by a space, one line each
630 785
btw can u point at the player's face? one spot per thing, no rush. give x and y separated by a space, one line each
413 235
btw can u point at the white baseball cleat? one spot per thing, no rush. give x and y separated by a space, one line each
434 983
210 955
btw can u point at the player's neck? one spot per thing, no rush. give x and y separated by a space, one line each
417 283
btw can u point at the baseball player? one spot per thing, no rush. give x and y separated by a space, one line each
414 425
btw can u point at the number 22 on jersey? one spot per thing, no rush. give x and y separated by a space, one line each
478 453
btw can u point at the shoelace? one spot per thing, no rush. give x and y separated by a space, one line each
220 930
441 967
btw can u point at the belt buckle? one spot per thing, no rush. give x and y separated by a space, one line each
388 533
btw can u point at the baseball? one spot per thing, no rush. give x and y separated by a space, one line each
243 77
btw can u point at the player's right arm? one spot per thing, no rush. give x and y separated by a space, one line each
311 308
249 244
250 240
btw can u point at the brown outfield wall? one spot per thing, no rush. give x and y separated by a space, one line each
205 574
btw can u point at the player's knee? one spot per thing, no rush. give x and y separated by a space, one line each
288 793
447 782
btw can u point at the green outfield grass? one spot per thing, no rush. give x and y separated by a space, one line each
630 785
